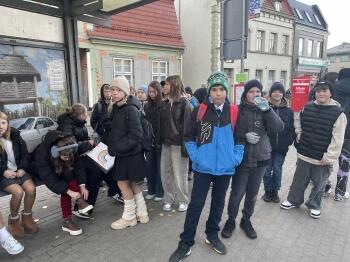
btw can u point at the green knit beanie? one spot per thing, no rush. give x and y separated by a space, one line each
218 78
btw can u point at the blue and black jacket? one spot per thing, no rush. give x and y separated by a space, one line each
210 142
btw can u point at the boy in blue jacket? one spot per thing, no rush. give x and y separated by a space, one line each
210 144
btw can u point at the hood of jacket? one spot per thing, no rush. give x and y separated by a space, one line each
331 103
342 87
131 101
66 118
282 104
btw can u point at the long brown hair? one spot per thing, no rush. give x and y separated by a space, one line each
156 86
7 134
58 163
177 88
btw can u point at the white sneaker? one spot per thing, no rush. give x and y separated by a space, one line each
149 197
183 207
346 195
286 205
157 199
315 213
167 207
12 246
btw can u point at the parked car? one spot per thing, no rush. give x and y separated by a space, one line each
33 129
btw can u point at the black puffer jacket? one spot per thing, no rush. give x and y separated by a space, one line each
342 95
173 119
45 169
126 129
69 124
152 111
280 141
251 119
20 151
99 113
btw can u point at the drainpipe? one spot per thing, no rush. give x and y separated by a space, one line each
88 68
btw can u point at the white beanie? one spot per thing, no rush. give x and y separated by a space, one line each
122 83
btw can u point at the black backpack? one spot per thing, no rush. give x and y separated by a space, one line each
148 134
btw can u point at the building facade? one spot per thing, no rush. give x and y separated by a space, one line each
338 57
269 45
143 44
310 45
270 42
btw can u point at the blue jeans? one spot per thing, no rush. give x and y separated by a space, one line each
201 184
273 174
154 181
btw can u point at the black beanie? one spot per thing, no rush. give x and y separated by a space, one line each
344 73
249 85
277 86
324 85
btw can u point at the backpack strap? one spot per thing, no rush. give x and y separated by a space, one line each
202 109
233 116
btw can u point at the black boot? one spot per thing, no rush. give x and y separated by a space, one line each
275 197
228 228
248 229
267 197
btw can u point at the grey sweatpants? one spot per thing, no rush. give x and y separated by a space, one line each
303 174
174 174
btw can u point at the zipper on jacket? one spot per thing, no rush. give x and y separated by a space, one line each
278 113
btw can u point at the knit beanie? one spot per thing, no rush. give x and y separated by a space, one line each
249 85
122 83
277 86
344 73
143 88
217 78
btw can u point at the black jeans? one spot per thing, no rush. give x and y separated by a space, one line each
154 181
201 184
246 182
94 177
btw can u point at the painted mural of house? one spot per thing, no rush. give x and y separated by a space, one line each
18 81
143 44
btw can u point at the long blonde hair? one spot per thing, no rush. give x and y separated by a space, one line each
3 116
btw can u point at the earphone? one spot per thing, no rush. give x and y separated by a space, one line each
55 150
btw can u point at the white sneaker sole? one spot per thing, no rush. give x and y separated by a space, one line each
16 252
217 251
315 216
167 209
157 199
79 215
86 209
287 207
149 197
71 232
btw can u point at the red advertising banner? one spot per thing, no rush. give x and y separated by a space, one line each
300 93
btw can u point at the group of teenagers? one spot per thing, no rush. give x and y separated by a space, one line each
223 143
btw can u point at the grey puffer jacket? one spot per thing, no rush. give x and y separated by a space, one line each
251 119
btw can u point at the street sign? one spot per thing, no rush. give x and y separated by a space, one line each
300 93
241 77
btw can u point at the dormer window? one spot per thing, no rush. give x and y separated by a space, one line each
317 20
300 16
308 17
278 6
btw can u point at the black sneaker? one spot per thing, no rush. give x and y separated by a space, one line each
248 229
267 197
81 215
227 231
118 198
180 253
217 245
275 197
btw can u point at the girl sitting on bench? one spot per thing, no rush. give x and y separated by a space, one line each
14 179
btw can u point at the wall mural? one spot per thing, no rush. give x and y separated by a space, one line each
32 81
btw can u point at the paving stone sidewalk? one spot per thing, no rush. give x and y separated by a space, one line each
282 235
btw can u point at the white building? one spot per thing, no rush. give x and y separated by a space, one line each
270 42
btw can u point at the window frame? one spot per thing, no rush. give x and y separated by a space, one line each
299 14
256 76
285 44
273 42
124 73
159 76
308 16
269 81
260 39
283 80
309 52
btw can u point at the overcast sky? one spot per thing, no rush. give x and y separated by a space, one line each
337 15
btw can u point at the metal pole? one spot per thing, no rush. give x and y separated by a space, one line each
243 37
222 35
